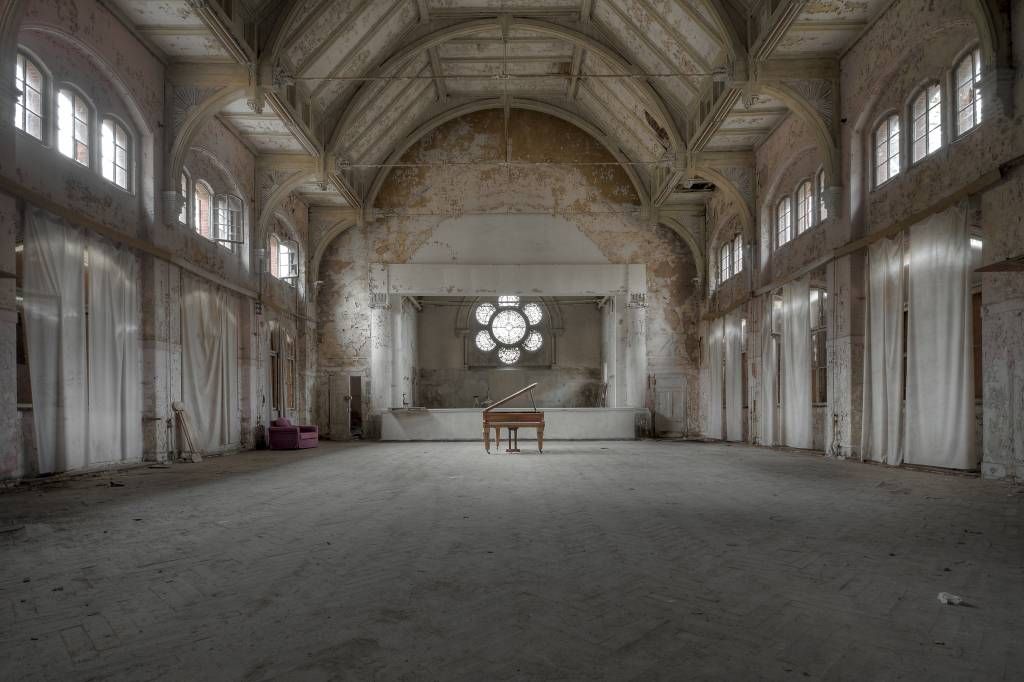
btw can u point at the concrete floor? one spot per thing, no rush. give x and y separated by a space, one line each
647 560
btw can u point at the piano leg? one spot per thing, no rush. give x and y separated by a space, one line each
487 439
540 439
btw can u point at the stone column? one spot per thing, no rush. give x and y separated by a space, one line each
381 361
161 356
845 352
11 464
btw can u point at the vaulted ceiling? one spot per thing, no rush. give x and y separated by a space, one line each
647 76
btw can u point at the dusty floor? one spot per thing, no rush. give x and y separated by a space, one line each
434 561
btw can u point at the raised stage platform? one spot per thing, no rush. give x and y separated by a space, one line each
562 423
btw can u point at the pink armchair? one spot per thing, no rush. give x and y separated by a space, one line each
286 436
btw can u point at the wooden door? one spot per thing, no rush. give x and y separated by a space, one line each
339 400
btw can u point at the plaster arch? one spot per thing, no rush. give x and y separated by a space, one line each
821 128
404 55
498 103
993 31
730 189
318 249
699 257
773 195
277 196
237 190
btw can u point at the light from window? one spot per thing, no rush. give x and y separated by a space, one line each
533 341
887 149
804 207
737 254
822 204
73 126
784 222
115 153
227 220
533 313
484 312
28 110
725 263
284 259
203 210
484 341
508 301
509 356
927 122
968 92
183 213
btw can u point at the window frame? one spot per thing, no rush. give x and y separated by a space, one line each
886 122
24 59
977 103
76 96
804 194
725 272
274 258
822 208
196 218
187 190
236 221
128 153
819 330
786 201
924 94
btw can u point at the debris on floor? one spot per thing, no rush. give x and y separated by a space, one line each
950 599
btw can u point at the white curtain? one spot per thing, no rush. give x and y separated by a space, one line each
115 376
883 354
797 418
940 381
209 324
767 428
734 377
715 355
54 302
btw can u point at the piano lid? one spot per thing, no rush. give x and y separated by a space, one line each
514 395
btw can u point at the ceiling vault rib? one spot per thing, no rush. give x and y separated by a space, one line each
437 69
698 18
327 44
310 20
413 101
700 62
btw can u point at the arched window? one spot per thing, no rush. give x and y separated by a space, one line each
804 207
784 222
115 155
284 259
73 123
887 149
822 204
725 262
737 254
203 206
968 92
28 110
927 122
227 222
509 327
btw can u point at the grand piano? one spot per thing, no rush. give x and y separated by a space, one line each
513 420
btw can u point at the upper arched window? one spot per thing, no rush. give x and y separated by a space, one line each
968 92
927 122
804 207
725 262
203 207
822 204
737 254
115 153
784 222
183 213
284 259
887 149
227 221
31 84
74 120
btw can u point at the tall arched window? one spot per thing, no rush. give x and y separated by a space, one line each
725 262
887 149
784 222
73 123
203 206
737 254
804 207
228 220
284 259
28 110
968 92
927 122
115 154
822 203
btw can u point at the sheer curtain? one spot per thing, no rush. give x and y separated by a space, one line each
883 354
797 418
940 381
115 376
55 328
734 377
766 426
715 355
209 324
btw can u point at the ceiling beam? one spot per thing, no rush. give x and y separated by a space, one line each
573 86
437 69
799 68
777 25
207 74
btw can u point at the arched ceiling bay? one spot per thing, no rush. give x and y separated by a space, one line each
659 78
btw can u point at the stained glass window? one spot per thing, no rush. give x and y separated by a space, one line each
510 327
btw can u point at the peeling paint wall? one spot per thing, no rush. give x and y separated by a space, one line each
583 192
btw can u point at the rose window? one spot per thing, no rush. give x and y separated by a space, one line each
510 328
